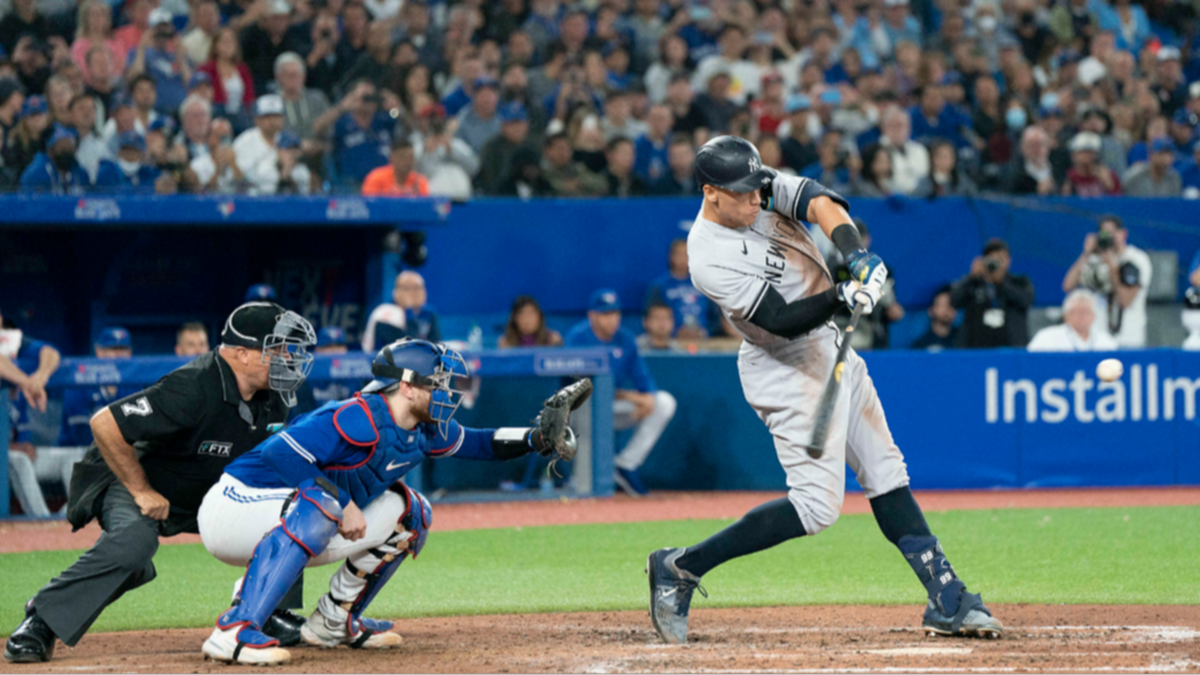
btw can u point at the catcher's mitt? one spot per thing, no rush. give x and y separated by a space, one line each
553 435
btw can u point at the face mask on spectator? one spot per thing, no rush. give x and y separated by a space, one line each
987 24
63 160
1015 118
130 168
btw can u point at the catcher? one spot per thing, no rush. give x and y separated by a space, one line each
328 489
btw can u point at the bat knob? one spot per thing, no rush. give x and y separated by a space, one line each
814 452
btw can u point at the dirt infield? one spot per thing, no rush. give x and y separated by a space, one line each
56 535
780 639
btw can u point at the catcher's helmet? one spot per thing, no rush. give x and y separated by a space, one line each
423 363
732 163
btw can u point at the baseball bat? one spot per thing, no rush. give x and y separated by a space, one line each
816 446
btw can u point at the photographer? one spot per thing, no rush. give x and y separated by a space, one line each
994 302
446 160
1119 274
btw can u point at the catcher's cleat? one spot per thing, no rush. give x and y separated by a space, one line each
973 619
671 594
356 632
284 625
242 643
32 641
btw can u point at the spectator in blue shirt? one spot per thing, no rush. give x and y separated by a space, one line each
932 118
362 138
899 24
650 149
57 171
638 402
692 309
700 30
1183 134
80 403
159 56
129 174
1118 17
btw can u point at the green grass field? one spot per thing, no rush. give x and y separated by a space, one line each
1045 556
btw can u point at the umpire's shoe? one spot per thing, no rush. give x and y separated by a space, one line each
971 619
284 625
671 594
32 641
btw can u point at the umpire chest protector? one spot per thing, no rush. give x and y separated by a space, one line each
376 452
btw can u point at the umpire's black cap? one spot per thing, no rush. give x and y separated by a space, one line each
733 164
249 325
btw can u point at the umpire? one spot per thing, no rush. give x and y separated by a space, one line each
156 453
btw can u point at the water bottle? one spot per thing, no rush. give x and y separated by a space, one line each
475 338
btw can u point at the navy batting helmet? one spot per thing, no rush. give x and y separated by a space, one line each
733 164
422 363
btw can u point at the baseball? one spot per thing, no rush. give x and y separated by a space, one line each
1109 369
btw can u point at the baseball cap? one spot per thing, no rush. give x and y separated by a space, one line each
278 7
260 292
481 82
771 76
1169 54
432 110
797 103
514 112
198 79
160 16
249 325
288 140
1085 141
34 105
121 100
331 336
162 123
604 300
61 133
113 337
1162 145
131 139
831 97
268 104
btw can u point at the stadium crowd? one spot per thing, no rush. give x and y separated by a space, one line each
608 97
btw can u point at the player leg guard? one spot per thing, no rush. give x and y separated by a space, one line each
925 556
339 619
309 525
764 526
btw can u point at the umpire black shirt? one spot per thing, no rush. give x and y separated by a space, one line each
189 425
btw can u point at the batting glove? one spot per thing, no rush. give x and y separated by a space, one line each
864 265
854 294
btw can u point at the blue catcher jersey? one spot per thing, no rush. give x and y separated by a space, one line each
354 443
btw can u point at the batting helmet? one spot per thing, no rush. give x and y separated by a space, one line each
733 164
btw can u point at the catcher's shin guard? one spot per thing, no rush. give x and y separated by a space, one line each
338 619
305 531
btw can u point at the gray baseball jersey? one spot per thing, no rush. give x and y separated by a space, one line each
783 379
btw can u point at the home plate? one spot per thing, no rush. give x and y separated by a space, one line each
917 651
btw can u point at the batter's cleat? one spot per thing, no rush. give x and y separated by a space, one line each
284 625
630 482
357 633
671 594
32 641
973 619
242 643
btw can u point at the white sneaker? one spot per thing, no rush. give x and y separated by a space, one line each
224 645
322 631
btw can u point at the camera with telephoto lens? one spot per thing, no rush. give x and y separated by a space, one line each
992 265
1104 241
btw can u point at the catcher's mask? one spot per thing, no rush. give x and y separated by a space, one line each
426 364
283 338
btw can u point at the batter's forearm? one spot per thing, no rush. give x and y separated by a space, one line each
793 319
120 456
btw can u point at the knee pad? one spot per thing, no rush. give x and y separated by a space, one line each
416 519
312 519
665 402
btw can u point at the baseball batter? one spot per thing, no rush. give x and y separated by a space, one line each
749 252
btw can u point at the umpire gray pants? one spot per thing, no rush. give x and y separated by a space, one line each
120 561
